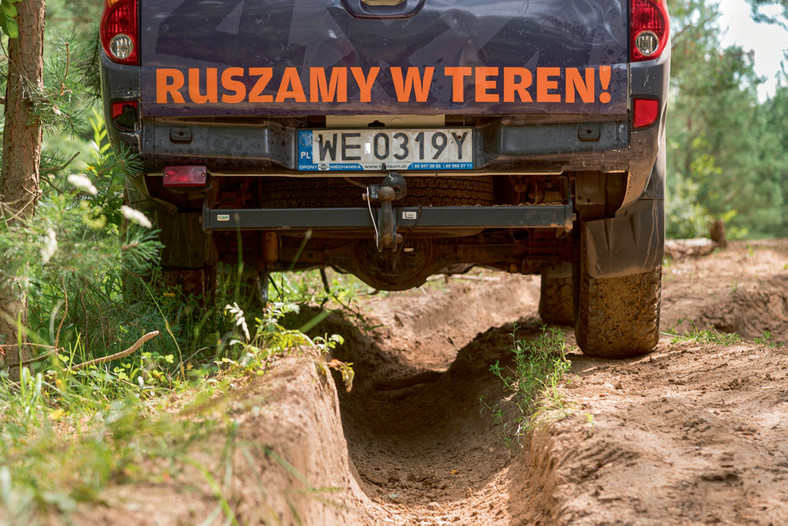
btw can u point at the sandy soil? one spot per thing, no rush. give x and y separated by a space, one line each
743 290
694 433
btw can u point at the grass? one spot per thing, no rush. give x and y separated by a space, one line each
61 446
337 292
701 336
534 379
707 336
66 436
767 339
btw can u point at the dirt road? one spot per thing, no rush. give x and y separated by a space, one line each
695 433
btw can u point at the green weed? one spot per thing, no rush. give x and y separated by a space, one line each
330 290
767 339
535 378
591 425
61 446
499 417
700 336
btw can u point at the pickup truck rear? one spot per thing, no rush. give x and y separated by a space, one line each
396 139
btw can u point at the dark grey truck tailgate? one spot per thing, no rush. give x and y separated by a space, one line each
318 57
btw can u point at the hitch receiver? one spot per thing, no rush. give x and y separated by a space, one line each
391 189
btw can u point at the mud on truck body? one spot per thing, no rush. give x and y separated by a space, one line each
397 139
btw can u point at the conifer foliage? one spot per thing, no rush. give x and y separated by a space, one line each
67 239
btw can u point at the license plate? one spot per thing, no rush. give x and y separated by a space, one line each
378 149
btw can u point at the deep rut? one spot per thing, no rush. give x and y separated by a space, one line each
425 439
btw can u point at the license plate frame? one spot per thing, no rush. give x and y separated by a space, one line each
376 149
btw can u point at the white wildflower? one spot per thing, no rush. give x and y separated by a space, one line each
135 216
81 182
240 319
49 247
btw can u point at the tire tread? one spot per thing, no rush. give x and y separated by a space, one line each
618 317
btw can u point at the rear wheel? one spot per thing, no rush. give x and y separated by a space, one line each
188 260
556 297
618 317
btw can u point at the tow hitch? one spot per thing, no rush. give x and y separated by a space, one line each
393 188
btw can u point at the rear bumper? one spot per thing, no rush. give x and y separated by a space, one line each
270 149
444 219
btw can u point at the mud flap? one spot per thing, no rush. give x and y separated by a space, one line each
630 243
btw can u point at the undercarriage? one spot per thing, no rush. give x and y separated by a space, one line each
392 232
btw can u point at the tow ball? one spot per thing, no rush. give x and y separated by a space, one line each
391 189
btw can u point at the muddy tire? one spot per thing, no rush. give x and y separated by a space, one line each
556 303
618 317
287 192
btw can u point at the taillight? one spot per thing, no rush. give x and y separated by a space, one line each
124 113
649 29
644 112
119 31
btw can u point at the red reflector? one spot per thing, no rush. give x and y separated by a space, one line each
646 112
119 106
185 176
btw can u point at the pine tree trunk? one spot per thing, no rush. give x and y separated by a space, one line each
21 157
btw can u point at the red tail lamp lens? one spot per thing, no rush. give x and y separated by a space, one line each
649 29
124 113
645 112
185 176
120 31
